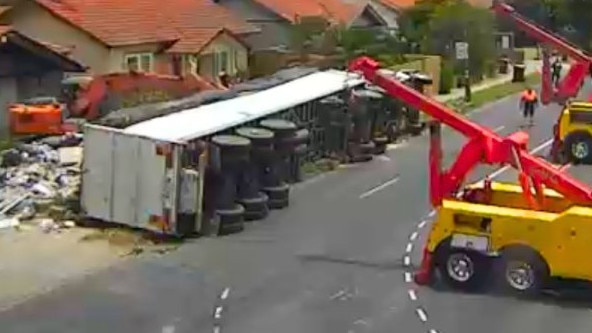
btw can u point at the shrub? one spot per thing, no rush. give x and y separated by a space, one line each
446 78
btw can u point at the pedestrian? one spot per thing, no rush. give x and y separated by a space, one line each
528 102
556 69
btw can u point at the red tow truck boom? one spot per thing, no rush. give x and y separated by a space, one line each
483 146
573 81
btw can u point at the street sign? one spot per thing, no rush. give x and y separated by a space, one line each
462 50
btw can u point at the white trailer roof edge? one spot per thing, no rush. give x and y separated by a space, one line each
208 119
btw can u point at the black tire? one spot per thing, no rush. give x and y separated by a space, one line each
255 208
301 149
231 141
361 158
279 203
280 192
257 216
231 220
380 140
578 147
380 149
450 261
522 271
367 148
258 136
281 128
301 136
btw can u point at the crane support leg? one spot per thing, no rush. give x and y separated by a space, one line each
547 88
435 160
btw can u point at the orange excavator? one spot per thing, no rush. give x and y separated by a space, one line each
87 98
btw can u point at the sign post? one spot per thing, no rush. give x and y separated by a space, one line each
462 54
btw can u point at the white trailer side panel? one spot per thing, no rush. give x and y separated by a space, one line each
98 172
125 158
124 179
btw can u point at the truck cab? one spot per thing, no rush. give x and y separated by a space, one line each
572 134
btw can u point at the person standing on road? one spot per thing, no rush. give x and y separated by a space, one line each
528 102
556 69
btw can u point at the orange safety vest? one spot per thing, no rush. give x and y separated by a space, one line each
529 96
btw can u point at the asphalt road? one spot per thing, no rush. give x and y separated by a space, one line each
335 261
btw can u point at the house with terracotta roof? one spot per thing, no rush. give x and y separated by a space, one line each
171 37
275 18
29 69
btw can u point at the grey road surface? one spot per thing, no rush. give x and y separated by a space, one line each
335 261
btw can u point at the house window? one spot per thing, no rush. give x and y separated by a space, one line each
139 62
191 64
221 62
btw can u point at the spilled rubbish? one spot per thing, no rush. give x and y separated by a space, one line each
40 180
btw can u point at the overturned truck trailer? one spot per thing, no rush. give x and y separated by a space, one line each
151 175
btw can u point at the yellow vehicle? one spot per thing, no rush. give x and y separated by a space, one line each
470 242
573 134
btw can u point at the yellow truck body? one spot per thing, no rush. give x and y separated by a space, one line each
561 235
573 133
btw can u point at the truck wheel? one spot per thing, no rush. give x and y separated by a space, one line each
367 148
280 192
256 208
462 269
361 158
523 271
578 147
281 128
231 220
258 136
279 203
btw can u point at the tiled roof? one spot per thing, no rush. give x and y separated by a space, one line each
404 4
194 40
398 4
51 48
336 10
127 22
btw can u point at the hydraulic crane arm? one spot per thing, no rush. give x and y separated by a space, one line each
484 145
569 87
539 33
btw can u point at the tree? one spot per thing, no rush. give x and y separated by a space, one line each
436 25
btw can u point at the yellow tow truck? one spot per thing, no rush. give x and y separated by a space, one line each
523 234
572 134
520 247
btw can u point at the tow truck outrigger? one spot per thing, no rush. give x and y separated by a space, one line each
535 230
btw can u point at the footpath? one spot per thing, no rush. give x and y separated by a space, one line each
532 66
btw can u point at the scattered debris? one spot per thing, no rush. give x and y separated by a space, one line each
41 179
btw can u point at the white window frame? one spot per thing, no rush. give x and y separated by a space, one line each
218 61
190 64
139 57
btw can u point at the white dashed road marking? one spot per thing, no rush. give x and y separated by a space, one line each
379 187
421 314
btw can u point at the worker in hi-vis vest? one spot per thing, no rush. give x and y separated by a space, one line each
528 102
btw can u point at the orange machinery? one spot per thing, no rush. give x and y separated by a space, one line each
86 98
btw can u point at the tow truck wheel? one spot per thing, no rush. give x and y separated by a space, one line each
462 269
523 271
578 147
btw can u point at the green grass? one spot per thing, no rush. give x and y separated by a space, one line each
5 144
485 96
